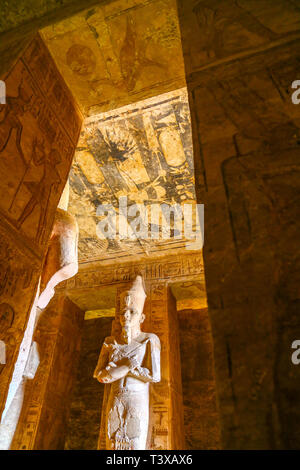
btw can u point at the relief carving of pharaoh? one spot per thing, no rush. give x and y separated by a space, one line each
128 363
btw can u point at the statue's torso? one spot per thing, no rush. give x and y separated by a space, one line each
128 402
119 351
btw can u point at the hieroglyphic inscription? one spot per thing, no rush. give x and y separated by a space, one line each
42 421
39 128
18 278
160 396
187 265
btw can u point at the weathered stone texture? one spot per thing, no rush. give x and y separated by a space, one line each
119 53
21 14
246 147
43 421
36 148
87 397
241 57
166 420
201 416
175 376
142 152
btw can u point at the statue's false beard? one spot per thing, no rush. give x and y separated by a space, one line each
126 334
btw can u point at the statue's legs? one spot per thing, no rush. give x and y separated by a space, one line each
127 420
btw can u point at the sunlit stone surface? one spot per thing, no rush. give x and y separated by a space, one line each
129 362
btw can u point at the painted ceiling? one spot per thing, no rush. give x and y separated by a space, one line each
122 61
142 152
118 53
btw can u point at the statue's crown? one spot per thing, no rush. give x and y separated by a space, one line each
137 293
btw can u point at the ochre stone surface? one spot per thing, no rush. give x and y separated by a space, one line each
43 421
21 20
18 282
246 152
142 152
241 58
201 416
216 30
119 53
166 409
61 261
175 379
38 130
87 397
91 276
126 410
18 12
11 51
161 318
36 148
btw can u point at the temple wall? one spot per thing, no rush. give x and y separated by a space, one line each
166 410
201 421
39 129
43 421
241 57
20 22
166 420
246 140
86 402
175 366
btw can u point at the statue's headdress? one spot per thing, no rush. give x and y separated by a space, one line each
136 295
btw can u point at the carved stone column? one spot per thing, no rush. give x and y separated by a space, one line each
166 430
39 129
246 138
43 419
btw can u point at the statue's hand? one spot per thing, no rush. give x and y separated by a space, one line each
130 362
104 377
134 362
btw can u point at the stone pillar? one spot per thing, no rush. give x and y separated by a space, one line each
240 69
39 129
201 415
175 376
166 430
43 420
87 398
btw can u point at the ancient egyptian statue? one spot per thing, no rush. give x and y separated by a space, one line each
128 362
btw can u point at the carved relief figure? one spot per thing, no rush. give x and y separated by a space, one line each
38 158
128 362
10 120
133 56
214 17
41 192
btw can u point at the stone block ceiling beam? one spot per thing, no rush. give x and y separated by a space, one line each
37 146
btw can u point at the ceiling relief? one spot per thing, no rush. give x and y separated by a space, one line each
142 152
119 53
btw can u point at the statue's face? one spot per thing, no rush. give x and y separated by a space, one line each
130 316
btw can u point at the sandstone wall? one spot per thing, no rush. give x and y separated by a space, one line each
241 59
201 419
39 129
43 421
196 370
166 424
86 404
